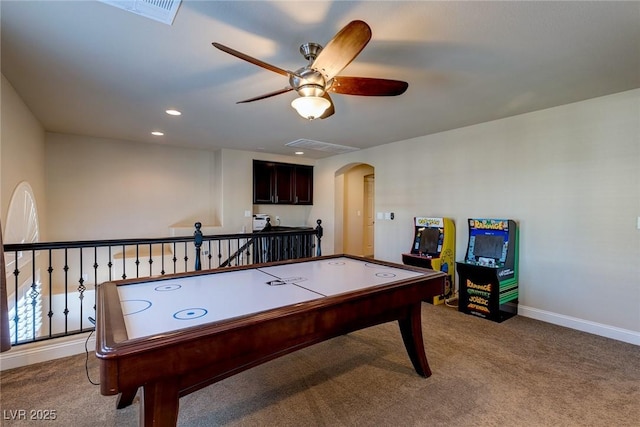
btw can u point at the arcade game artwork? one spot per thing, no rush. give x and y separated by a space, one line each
489 273
433 247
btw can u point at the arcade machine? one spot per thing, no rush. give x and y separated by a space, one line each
434 247
489 274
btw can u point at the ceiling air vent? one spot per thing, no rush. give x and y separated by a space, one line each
321 146
159 10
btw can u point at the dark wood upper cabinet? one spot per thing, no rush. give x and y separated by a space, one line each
303 194
282 183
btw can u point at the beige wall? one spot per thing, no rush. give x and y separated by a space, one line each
149 190
570 176
107 189
22 154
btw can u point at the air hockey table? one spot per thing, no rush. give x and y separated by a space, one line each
178 333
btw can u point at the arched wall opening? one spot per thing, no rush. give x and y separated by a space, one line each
354 210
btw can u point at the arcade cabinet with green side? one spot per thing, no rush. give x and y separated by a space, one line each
433 247
489 274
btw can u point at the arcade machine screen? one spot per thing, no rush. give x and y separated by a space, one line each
430 241
488 246
488 249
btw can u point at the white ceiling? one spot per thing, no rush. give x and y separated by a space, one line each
87 68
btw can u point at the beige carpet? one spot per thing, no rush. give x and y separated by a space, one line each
521 372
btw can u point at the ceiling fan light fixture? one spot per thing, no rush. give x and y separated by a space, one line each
310 107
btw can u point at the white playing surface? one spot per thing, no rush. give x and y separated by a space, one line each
155 307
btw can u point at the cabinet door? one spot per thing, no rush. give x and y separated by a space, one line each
303 185
263 183
284 183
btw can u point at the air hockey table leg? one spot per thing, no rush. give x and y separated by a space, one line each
125 398
159 403
411 330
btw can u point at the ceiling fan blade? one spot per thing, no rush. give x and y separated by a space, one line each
342 49
250 59
329 111
267 95
367 86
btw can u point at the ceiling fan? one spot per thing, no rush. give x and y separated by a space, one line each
314 81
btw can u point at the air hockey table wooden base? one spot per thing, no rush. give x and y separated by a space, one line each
179 333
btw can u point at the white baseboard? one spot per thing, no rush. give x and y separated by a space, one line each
619 334
28 354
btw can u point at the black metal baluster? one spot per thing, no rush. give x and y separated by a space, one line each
50 313
16 317
186 257
110 264
299 248
33 294
283 247
175 259
66 290
81 289
137 260
265 250
150 260
95 277
162 260
124 263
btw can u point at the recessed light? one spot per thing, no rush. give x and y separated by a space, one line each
173 112
157 133
299 153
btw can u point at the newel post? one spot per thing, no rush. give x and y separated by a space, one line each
319 236
197 238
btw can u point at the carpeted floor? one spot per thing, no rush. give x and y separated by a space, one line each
521 372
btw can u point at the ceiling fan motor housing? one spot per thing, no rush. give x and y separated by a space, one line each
308 82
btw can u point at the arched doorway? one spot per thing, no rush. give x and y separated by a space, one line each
355 191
